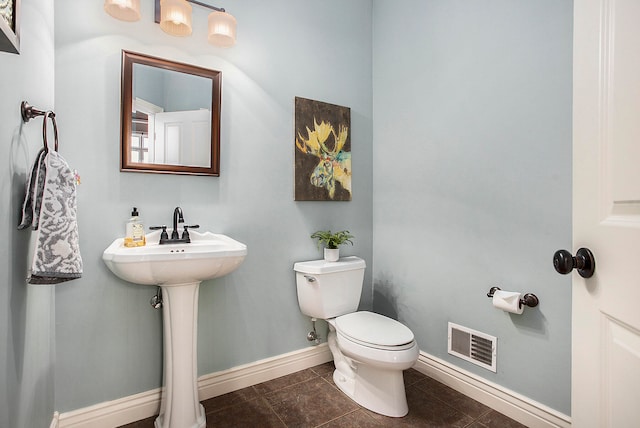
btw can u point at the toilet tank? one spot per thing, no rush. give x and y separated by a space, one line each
329 289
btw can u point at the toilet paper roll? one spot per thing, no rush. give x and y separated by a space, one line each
508 301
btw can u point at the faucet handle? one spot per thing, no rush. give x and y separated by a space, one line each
185 232
164 235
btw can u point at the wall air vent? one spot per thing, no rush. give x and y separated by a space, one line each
473 346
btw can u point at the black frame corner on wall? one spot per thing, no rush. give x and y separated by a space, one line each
10 26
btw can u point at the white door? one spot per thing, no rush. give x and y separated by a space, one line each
606 213
184 138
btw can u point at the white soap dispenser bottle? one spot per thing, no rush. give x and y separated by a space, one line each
134 236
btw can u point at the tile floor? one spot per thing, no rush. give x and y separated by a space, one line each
309 398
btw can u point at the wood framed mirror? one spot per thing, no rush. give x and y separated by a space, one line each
170 117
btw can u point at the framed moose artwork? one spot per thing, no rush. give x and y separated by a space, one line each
322 151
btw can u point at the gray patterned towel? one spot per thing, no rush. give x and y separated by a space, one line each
57 251
33 197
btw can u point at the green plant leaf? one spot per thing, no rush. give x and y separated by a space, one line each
332 240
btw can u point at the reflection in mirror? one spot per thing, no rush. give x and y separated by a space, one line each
170 117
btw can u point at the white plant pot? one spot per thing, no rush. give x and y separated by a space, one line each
331 254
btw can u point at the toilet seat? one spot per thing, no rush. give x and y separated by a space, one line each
386 358
374 331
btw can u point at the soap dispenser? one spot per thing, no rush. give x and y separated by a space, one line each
134 236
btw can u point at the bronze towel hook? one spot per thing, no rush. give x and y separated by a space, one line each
28 112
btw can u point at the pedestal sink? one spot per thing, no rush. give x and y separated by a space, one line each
178 269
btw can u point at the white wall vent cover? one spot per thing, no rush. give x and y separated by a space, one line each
473 346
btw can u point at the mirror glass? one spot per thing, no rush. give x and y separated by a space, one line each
170 117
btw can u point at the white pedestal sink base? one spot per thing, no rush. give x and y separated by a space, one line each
180 406
202 422
180 267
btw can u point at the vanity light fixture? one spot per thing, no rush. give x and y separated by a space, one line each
174 17
124 10
222 29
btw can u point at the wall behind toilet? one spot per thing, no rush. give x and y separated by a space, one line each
109 341
472 178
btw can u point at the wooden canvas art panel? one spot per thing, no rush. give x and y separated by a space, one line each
322 151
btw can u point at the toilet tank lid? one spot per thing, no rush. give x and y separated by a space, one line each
321 266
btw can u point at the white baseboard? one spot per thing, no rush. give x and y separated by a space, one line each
54 420
147 404
236 378
516 406
114 413
129 409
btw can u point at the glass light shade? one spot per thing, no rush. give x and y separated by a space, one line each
124 10
175 17
222 29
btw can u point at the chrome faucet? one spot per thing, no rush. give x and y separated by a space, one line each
178 217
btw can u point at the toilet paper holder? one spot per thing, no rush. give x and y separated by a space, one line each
528 299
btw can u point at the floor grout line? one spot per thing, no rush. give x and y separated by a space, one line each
274 412
336 418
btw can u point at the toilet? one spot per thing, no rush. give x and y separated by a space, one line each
370 351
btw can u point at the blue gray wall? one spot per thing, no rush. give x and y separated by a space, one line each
165 88
27 313
472 178
108 341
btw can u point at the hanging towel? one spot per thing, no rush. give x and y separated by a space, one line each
57 252
33 197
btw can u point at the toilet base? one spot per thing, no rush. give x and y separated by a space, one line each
381 391
373 385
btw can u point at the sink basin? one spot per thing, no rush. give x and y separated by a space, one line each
209 255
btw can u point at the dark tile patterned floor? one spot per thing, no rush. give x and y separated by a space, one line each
309 398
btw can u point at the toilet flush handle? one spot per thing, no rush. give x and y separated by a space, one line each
310 278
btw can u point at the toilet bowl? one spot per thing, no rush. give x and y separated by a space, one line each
369 350
371 372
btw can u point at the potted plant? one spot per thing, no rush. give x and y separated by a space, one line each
331 241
